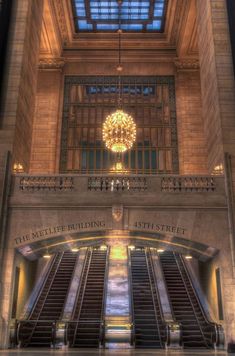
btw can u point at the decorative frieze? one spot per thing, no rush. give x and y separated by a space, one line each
187 64
49 183
188 184
51 63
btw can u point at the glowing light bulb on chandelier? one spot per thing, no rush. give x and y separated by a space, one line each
119 131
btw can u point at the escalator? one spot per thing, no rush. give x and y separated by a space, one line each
85 330
197 331
39 329
149 329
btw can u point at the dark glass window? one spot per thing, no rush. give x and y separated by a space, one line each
88 101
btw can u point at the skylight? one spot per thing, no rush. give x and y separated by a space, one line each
102 16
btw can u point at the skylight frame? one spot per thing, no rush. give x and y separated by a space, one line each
143 24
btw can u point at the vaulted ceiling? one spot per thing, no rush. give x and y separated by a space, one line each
61 39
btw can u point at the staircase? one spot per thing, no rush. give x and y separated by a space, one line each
39 329
146 309
197 331
86 328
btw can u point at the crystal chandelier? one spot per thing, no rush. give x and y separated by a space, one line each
119 128
119 131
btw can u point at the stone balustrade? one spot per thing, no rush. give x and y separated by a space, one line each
108 190
48 183
167 184
116 183
174 184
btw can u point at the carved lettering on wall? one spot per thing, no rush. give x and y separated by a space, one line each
140 225
50 231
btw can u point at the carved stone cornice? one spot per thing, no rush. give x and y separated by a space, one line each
51 63
187 64
59 9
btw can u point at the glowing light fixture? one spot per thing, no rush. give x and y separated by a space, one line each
119 128
160 250
18 168
46 255
188 257
119 131
75 249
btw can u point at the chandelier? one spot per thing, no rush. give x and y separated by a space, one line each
119 128
119 131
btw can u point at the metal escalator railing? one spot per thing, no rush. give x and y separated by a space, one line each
34 315
85 329
102 328
72 326
207 344
50 304
162 325
147 332
54 265
131 300
196 330
215 328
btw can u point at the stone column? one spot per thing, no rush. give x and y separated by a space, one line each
16 118
48 110
19 84
218 107
191 138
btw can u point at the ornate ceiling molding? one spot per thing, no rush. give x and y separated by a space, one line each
187 64
51 64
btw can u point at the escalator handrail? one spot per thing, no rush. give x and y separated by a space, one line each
154 306
43 285
80 282
52 280
131 299
70 283
164 278
102 328
83 291
158 296
212 324
155 286
198 322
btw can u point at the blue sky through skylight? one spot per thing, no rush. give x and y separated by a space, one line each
136 16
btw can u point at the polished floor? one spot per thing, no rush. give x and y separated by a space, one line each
116 352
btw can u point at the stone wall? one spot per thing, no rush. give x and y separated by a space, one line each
20 80
191 138
47 113
217 80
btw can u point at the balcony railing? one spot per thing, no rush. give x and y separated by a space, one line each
118 183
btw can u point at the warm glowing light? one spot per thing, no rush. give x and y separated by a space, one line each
160 250
119 131
74 250
46 256
118 253
18 168
103 247
188 257
131 247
